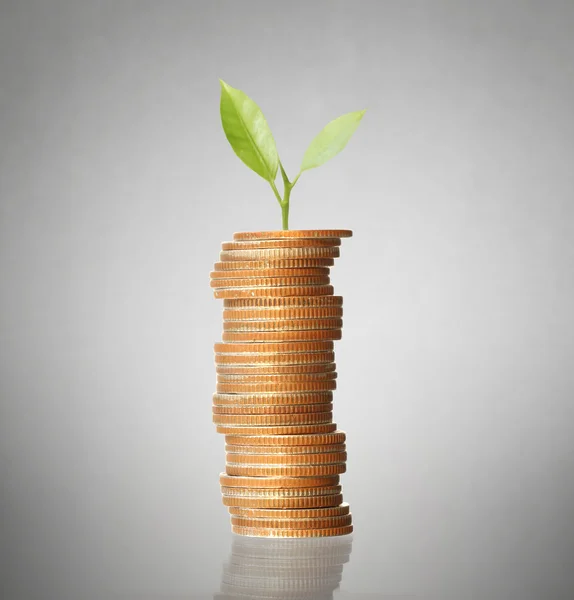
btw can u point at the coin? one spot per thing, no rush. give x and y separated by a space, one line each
284 243
310 290
292 233
283 302
288 386
247 282
247 359
293 533
268 409
301 335
237 430
285 450
272 493
274 263
318 458
293 272
274 378
293 523
278 253
282 325
336 437
327 367
273 419
291 502
305 513
277 482
281 314
274 347
285 470
281 399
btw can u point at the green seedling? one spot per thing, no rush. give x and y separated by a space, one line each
251 139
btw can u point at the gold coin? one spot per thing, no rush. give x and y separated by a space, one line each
327 367
246 273
278 482
238 430
288 386
272 263
283 325
278 253
249 282
278 493
246 359
273 419
292 533
281 314
285 450
336 437
293 523
283 291
301 335
290 503
285 470
319 458
274 347
270 409
281 399
274 378
284 243
283 302
292 233
289 513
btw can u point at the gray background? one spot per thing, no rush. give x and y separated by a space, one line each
456 384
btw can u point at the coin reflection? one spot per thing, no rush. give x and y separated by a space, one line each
284 568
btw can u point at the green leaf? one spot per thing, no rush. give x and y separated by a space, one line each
248 133
331 140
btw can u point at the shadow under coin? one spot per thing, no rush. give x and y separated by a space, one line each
284 568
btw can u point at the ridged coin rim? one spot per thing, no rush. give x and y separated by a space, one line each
301 242
283 324
292 533
305 513
225 369
293 522
288 386
272 419
336 437
294 398
278 253
296 492
300 335
285 470
239 430
291 502
316 458
292 233
284 302
270 409
246 481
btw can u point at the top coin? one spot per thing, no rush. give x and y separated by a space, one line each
292 233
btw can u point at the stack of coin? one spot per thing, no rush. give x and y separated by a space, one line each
277 568
275 381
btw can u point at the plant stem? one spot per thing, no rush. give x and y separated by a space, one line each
276 192
285 215
287 187
284 202
285 205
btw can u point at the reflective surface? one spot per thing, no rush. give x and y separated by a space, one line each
279 568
